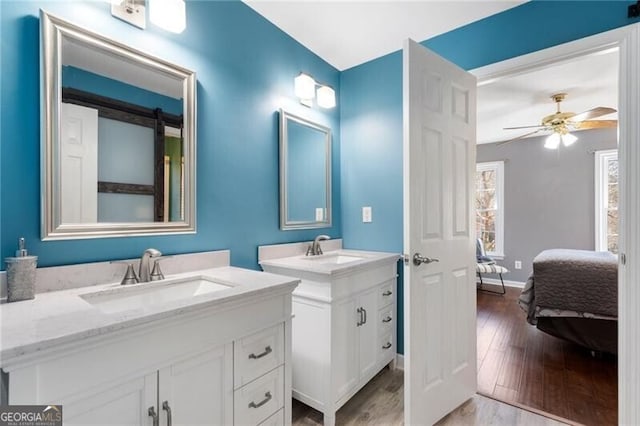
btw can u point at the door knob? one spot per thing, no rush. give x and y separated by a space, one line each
418 259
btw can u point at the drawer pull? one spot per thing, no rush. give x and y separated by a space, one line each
267 398
165 407
387 319
266 352
386 345
387 293
152 413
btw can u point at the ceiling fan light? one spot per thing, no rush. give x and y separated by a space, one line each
568 139
553 141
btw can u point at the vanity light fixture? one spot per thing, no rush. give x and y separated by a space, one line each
131 11
305 90
326 97
168 14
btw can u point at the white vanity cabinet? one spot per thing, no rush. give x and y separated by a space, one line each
344 326
220 364
195 390
355 337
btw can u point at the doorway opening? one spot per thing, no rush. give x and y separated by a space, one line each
535 197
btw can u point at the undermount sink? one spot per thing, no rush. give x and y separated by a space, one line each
335 259
138 296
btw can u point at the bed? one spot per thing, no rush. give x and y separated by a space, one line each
573 295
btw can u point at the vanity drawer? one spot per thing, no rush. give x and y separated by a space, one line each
257 354
386 294
386 347
386 320
275 420
258 400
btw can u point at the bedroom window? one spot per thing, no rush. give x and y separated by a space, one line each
490 206
606 182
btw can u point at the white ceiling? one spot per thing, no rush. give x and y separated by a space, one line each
589 81
349 33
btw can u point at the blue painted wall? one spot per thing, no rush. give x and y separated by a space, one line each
245 68
93 83
371 106
244 76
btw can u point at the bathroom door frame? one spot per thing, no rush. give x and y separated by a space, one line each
627 41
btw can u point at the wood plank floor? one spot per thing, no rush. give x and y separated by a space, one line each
381 402
518 363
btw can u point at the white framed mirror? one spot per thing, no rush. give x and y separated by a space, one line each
305 173
118 138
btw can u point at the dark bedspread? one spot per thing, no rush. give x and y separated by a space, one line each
577 280
573 294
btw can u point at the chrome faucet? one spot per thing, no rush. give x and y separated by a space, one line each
144 271
314 248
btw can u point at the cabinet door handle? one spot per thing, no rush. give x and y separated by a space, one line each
364 311
387 319
387 293
165 406
152 413
386 345
267 351
359 311
267 398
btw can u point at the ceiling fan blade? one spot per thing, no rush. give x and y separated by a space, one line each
519 137
596 124
592 113
522 127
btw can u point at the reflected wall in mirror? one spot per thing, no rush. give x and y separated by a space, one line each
305 173
118 138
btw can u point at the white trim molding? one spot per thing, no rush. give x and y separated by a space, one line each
627 40
601 167
498 168
629 229
507 283
400 362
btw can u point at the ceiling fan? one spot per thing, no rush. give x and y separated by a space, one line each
563 123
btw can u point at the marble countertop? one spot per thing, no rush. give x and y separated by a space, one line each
61 317
321 264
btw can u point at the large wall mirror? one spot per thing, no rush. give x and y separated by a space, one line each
305 173
118 138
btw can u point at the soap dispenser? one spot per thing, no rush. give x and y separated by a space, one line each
21 275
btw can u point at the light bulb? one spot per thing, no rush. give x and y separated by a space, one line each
326 97
568 139
553 141
168 14
305 87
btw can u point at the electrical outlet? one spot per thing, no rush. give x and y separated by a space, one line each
518 264
319 214
366 214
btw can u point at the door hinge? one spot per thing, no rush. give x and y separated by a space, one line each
623 259
405 258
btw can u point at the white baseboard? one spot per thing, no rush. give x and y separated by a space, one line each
400 362
507 283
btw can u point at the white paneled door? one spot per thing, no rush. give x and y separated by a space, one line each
439 237
78 164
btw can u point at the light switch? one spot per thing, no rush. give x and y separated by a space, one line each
366 214
319 214
518 264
